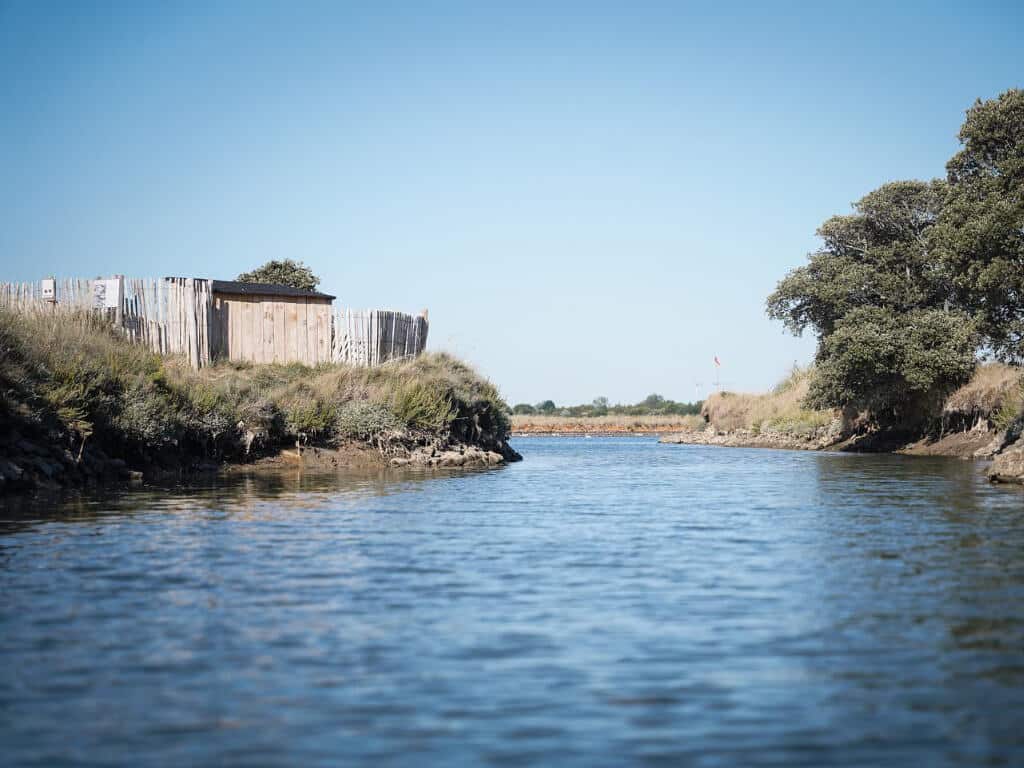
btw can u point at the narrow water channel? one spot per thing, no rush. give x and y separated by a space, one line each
604 602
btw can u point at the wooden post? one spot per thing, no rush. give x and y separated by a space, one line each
119 307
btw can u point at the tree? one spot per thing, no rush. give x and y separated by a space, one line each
653 402
548 406
891 339
899 367
286 272
525 409
878 257
980 233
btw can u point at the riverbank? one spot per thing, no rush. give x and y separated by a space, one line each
981 420
983 444
79 405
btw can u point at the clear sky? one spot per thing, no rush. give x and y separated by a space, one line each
592 198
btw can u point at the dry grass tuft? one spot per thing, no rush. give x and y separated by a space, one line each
994 393
780 410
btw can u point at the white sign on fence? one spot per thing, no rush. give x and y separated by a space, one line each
106 294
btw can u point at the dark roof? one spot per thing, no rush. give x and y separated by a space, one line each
264 289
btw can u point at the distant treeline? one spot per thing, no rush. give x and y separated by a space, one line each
652 405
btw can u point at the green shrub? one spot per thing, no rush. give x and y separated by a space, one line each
146 415
423 406
1010 411
311 418
361 420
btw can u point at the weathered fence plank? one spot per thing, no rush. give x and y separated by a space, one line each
373 337
180 316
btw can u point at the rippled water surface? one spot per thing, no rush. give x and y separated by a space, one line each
605 602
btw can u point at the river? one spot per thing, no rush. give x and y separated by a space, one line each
604 602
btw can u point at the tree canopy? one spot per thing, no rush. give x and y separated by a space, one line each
877 257
286 272
980 233
904 291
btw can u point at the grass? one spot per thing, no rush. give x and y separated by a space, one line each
609 423
75 378
995 394
779 411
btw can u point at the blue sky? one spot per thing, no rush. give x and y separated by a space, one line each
591 198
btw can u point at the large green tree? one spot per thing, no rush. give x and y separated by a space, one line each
890 340
905 290
980 232
879 256
285 272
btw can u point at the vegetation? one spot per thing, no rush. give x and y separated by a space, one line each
652 405
286 272
75 380
993 398
979 237
780 411
907 291
541 423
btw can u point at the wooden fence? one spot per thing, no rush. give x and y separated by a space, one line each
372 337
75 294
177 315
170 315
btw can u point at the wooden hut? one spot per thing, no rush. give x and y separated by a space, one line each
265 323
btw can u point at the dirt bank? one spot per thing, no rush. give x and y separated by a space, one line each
33 464
814 440
970 445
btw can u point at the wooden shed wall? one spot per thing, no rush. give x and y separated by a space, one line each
271 329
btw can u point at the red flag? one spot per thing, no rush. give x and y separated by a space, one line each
717 363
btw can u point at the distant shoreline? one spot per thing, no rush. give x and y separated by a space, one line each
526 425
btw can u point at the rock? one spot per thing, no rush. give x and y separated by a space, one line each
991 449
28 447
10 471
400 462
492 457
46 468
451 459
91 465
1008 466
135 476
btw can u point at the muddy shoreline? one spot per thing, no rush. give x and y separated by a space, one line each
985 445
34 464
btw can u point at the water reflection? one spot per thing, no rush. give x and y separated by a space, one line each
254 493
605 602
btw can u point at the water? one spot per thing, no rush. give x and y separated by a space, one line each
605 602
